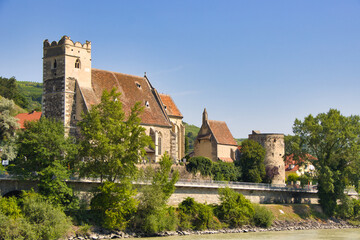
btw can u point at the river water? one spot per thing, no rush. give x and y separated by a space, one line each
321 234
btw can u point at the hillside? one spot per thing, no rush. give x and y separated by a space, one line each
191 131
32 91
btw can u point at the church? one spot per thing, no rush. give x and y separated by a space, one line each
72 86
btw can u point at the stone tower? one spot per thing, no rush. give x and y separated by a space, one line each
66 67
275 151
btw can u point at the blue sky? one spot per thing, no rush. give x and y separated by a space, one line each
256 64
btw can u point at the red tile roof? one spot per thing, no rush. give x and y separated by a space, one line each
221 132
170 107
32 116
133 89
289 160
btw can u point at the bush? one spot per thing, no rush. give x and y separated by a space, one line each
196 216
263 217
292 177
49 222
199 164
234 209
115 204
222 171
16 228
10 208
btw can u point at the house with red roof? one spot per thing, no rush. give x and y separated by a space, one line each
215 141
31 116
299 166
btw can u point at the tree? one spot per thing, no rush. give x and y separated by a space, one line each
116 204
251 161
45 154
153 215
334 140
223 171
8 126
111 142
10 90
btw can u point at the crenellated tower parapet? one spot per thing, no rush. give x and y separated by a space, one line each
66 66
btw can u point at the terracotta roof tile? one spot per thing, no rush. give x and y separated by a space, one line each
221 132
32 116
133 89
170 107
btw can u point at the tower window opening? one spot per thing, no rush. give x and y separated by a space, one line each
77 63
54 64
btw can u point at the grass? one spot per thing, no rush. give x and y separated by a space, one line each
296 212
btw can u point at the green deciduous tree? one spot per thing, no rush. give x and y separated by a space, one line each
8 126
10 90
251 161
334 140
153 215
116 204
223 171
45 154
111 142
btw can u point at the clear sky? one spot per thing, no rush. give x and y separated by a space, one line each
255 64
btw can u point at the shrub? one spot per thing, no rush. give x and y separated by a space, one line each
199 164
292 177
16 228
9 207
197 216
222 171
263 217
234 209
115 204
49 222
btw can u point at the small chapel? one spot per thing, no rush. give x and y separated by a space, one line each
72 86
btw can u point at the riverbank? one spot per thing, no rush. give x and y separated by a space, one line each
277 226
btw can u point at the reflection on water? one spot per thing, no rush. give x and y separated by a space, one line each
322 234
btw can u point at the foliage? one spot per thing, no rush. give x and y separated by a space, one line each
112 143
10 90
263 217
8 126
31 218
186 144
9 207
199 164
251 161
292 177
52 185
346 208
222 171
32 91
304 180
41 145
49 221
334 140
196 216
116 204
191 131
153 215
234 208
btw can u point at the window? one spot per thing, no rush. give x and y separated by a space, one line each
54 64
147 104
159 145
77 63
138 85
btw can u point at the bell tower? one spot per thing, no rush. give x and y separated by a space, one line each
66 67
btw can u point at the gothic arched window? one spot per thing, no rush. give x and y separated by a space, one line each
159 145
77 63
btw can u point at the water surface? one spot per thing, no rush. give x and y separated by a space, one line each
321 234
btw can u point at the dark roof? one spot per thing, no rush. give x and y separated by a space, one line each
170 107
221 132
32 116
133 89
